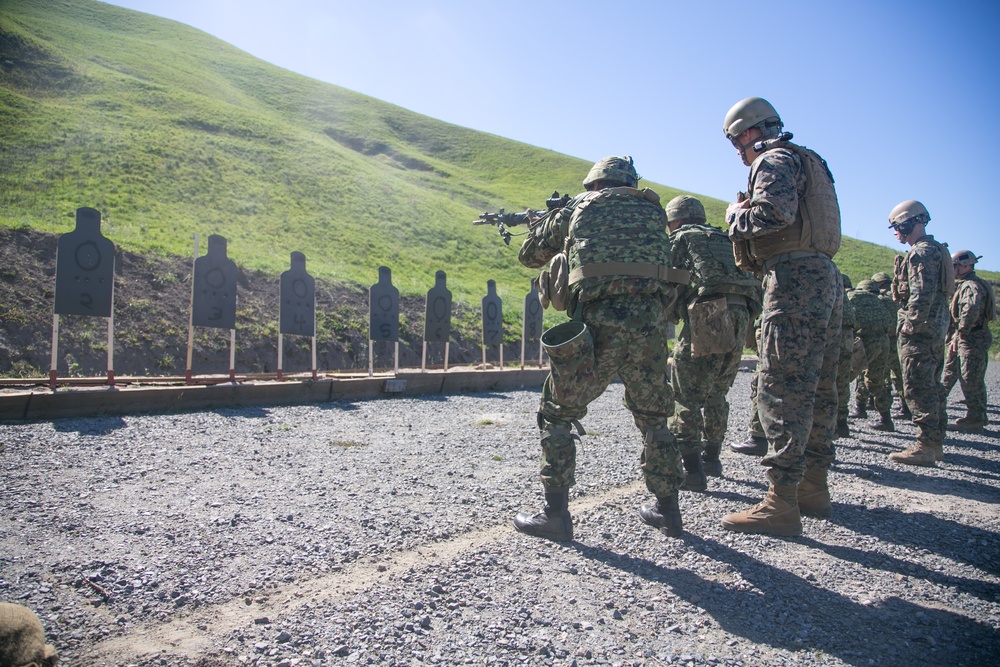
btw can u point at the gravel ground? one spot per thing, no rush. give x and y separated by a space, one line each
378 533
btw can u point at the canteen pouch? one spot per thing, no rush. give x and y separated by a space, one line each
570 347
712 328
553 283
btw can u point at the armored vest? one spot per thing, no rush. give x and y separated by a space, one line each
871 316
710 261
989 311
817 222
618 244
900 279
891 309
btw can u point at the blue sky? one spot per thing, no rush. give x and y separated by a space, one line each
901 98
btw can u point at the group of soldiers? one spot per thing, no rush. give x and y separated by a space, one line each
632 266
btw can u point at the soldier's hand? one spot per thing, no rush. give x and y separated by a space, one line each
733 209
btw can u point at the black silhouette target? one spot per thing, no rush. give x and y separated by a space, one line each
297 312
215 278
492 316
383 317
533 315
437 320
85 268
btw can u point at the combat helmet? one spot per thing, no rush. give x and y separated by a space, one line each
612 168
881 277
908 213
751 112
965 258
685 207
847 281
868 286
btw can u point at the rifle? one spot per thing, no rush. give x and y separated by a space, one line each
529 217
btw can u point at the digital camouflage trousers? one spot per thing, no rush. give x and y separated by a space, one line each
966 364
628 336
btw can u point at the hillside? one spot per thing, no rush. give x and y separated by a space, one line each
170 132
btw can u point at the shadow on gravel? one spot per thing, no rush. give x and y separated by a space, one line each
913 480
889 564
788 612
246 412
89 426
959 542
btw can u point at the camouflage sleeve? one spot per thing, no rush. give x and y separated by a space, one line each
545 239
971 304
774 198
923 278
680 258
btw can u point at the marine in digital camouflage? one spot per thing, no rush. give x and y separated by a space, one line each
701 381
874 324
845 375
921 329
628 317
968 346
800 329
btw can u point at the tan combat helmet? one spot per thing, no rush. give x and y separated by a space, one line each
613 168
881 277
685 207
965 258
907 211
751 112
868 286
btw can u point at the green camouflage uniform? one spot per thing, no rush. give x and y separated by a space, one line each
874 325
968 344
755 428
800 327
628 320
701 381
896 371
844 374
922 326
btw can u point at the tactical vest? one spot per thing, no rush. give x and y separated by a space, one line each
617 244
817 221
713 270
871 316
989 312
900 279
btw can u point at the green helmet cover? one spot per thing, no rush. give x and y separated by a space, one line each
685 207
613 168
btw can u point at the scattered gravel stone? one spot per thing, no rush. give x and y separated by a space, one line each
379 533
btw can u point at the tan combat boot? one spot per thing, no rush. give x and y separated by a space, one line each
814 494
777 514
920 454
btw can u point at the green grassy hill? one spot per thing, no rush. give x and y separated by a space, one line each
171 132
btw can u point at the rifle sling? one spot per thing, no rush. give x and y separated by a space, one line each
636 269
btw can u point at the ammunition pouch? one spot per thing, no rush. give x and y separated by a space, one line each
553 283
711 325
744 258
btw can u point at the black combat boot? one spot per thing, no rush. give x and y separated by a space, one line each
694 474
860 410
553 522
754 445
710 459
903 412
665 514
843 429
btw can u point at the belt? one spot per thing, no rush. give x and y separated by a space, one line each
736 300
631 269
788 256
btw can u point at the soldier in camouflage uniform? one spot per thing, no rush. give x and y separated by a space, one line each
755 443
716 308
874 324
884 282
845 374
621 290
787 228
969 338
922 285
